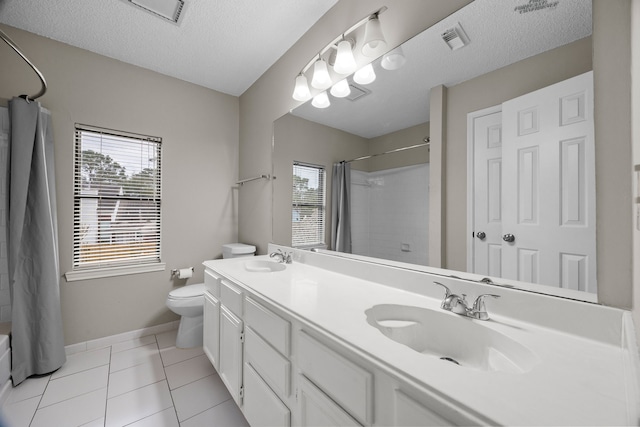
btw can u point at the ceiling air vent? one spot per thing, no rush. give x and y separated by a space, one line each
455 37
357 92
171 10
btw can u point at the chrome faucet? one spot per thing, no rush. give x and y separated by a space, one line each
283 257
459 305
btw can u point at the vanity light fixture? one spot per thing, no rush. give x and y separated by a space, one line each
301 91
321 78
374 42
346 61
365 75
341 89
393 60
321 100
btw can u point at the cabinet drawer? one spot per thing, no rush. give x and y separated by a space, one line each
274 329
261 406
408 412
212 282
344 381
316 409
231 297
271 366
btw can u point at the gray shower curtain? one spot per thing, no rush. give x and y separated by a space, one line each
341 207
36 321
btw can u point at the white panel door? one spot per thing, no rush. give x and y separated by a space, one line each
487 193
548 187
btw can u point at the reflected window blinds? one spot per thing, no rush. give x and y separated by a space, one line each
308 209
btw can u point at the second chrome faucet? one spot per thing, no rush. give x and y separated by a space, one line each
458 304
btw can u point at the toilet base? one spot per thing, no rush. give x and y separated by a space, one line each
189 332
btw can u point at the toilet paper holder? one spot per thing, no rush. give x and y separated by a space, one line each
175 271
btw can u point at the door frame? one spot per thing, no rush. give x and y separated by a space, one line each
470 179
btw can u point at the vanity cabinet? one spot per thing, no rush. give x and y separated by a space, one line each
230 367
211 329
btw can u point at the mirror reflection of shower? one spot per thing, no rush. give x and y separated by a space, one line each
389 213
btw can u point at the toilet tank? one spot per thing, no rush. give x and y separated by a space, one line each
234 250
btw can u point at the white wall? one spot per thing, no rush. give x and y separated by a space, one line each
635 126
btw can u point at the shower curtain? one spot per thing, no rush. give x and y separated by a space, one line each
340 207
36 320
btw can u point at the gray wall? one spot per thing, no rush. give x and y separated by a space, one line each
199 128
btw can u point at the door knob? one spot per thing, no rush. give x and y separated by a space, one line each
481 235
509 238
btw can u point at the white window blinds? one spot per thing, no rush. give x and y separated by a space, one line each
308 210
116 198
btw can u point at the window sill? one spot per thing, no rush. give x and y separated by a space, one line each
72 276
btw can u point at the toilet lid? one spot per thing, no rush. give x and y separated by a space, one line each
188 291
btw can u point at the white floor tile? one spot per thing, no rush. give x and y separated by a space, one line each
226 414
198 396
166 418
138 404
31 387
135 356
95 423
20 414
75 385
79 362
167 339
72 412
171 355
188 371
136 342
135 377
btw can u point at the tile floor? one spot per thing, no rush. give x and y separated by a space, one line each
146 382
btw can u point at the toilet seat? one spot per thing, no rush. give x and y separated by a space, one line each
186 292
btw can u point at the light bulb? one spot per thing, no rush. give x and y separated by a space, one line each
321 100
301 90
321 79
345 62
341 89
374 42
365 75
393 60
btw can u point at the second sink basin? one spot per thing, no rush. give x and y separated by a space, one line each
451 338
262 266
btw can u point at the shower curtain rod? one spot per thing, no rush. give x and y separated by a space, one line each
15 47
426 140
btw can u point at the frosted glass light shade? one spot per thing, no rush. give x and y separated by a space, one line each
321 100
341 89
301 90
374 42
345 62
365 75
321 78
393 60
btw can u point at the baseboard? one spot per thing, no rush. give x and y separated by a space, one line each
125 336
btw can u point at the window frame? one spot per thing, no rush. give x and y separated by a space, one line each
322 206
125 266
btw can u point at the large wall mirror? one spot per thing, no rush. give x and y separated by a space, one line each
485 56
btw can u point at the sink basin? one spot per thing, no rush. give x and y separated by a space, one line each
452 338
262 266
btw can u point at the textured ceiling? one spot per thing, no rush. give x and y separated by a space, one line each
499 35
225 45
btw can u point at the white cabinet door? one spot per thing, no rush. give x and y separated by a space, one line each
211 328
230 369
317 409
261 406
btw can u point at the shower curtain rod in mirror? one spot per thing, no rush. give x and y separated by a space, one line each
13 46
426 142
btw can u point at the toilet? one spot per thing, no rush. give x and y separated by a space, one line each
188 301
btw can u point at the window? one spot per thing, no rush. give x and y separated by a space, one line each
308 210
116 200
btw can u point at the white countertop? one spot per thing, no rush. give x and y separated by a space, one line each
577 381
